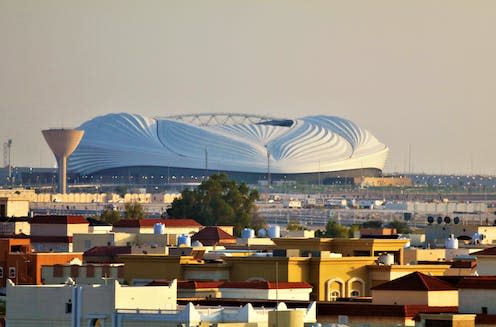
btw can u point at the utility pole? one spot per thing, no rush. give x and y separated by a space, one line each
7 146
268 169
206 162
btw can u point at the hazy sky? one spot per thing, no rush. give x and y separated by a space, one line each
412 72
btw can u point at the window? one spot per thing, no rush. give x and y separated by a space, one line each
68 307
1 272
355 293
484 310
12 272
334 295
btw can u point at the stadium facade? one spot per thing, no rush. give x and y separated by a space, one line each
246 147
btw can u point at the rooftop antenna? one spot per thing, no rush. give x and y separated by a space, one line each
62 142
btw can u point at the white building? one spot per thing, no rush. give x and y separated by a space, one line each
114 305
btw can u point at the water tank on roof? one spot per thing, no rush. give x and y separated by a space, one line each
451 242
262 232
184 240
247 233
274 231
386 259
158 228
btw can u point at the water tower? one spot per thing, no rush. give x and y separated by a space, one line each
62 142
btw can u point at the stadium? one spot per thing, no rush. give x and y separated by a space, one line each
247 147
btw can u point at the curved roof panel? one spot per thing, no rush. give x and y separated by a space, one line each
303 145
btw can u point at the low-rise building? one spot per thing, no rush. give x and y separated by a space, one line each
146 226
23 266
416 289
253 290
14 226
86 274
73 304
14 206
477 294
55 233
486 261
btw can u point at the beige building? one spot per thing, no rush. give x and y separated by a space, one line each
437 234
416 255
82 305
14 207
416 289
55 233
477 295
131 306
486 261
14 226
82 274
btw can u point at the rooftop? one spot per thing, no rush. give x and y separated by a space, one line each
135 223
65 220
212 235
415 281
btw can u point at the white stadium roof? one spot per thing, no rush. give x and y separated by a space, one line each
230 142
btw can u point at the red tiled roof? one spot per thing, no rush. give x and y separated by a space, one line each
213 235
478 282
135 223
58 220
191 284
266 285
51 239
107 251
415 281
246 285
488 251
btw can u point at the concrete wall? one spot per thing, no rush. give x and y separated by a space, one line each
100 276
486 265
16 207
146 297
85 241
443 298
472 300
400 297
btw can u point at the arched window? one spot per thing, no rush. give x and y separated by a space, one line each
334 289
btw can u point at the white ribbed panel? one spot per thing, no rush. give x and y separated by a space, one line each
310 144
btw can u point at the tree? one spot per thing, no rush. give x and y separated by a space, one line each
294 224
134 210
110 216
219 201
334 229
401 226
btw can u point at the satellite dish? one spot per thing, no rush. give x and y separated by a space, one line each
456 220
430 219
439 219
447 220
